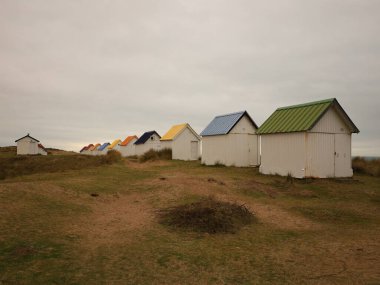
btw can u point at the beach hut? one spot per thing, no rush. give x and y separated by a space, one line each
127 147
42 150
87 149
103 149
27 145
94 149
183 141
114 145
308 140
149 140
231 140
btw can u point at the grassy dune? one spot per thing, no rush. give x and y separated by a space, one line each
97 224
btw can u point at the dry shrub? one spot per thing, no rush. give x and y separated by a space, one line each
369 167
111 157
207 216
163 154
24 165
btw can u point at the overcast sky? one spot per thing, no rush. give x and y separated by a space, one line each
79 72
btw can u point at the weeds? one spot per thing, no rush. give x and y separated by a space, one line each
24 165
151 155
370 167
207 216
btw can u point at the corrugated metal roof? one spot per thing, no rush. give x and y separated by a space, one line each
146 136
128 140
103 146
114 143
300 118
222 125
175 130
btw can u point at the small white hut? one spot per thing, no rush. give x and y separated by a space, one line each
308 140
149 140
42 150
183 141
27 145
231 140
127 147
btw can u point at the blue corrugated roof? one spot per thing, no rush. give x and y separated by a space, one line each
103 146
222 125
146 136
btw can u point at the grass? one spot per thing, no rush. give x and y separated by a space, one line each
52 231
12 166
369 167
152 155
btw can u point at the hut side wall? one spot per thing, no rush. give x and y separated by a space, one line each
129 149
283 154
230 150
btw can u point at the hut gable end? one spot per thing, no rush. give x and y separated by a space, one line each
332 123
244 126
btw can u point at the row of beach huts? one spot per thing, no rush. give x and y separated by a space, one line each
306 140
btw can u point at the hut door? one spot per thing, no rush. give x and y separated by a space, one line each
194 150
343 155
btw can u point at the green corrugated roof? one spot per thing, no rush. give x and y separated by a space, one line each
298 118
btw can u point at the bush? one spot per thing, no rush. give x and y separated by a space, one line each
207 216
369 167
25 164
163 154
111 157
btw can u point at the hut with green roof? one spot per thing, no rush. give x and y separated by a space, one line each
308 140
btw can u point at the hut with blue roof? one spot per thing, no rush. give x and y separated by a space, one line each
231 140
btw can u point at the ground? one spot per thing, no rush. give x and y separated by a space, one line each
98 225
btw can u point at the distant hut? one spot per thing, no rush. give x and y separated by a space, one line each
103 149
149 140
114 145
87 149
183 141
308 140
231 140
94 149
127 147
27 145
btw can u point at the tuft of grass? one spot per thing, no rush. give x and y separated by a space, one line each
151 155
207 216
111 157
24 165
369 167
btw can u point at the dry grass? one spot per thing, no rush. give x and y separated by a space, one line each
369 167
152 155
208 216
13 166
52 231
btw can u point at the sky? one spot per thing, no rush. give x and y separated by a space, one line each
77 72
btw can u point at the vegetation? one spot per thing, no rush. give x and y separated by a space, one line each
152 155
54 230
369 167
11 166
207 215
